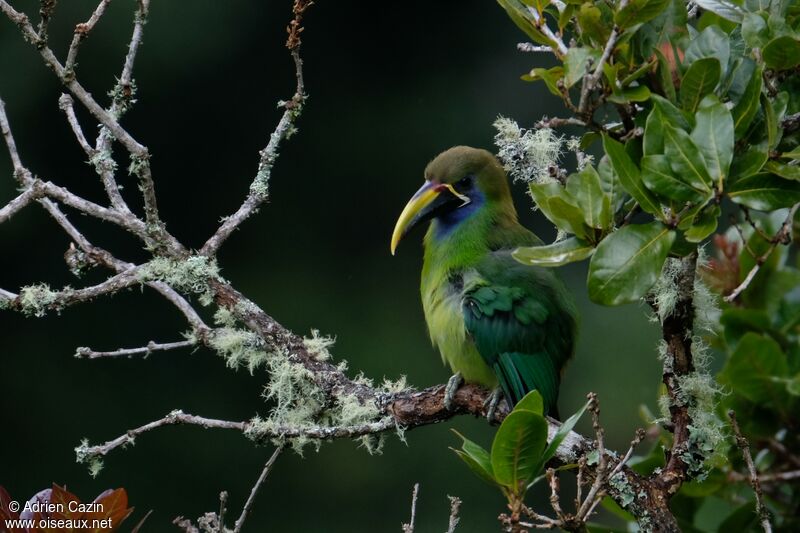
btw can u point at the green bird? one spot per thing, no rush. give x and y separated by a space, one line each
494 320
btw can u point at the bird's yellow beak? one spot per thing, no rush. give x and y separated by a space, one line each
425 204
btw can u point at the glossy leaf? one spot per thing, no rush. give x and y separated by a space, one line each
754 30
663 112
562 433
782 53
659 178
628 262
748 163
519 14
685 158
713 135
532 401
701 79
629 176
576 62
789 172
640 93
765 192
639 11
517 449
549 76
585 188
476 458
746 109
723 8
558 206
556 254
711 42
609 182
704 224
752 368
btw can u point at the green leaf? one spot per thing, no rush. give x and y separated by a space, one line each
711 42
685 158
793 385
519 14
556 254
765 192
639 11
704 224
752 368
745 110
629 176
640 93
609 181
575 63
517 449
558 206
663 112
749 163
701 78
665 76
659 178
585 188
724 8
782 53
562 433
532 401
550 78
713 135
590 19
628 262
793 154
789 172
754 30
476 457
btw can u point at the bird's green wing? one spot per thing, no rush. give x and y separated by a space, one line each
522 321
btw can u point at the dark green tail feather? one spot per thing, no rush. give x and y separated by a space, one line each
520 373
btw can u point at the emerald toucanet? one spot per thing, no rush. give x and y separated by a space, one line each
494 320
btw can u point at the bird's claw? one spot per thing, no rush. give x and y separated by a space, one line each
453 384
491 403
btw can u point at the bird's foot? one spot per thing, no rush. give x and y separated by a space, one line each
492 402
453 384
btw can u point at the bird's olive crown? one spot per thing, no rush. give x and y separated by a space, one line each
461 165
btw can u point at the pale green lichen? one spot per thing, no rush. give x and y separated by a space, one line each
319 345
189 276
666 293
36 300
84 456
527 154
239 347
625 493
103 161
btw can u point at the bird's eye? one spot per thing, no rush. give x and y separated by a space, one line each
465 181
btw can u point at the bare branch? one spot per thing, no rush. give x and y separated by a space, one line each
82 32
530 47
88 353
176 417
17 204
292 110
744 446
541 24
260 481
66 104
409 527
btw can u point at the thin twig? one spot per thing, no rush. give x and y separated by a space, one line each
260 481
20 202
88 353
530 47
409 527
176 417
588 503
223 502
744 446
292 110
541 24
82 32
783 236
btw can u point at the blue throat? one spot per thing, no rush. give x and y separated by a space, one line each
444 225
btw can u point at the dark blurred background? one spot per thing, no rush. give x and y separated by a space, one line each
391 85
